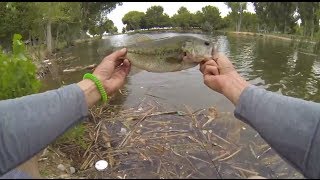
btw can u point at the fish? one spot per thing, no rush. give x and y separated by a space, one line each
169 54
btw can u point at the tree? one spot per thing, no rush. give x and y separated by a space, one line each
16 17
211 17
249 21
109 27
309 18
237 9
270 18
197 19
183 18
93 13
154 17
133 19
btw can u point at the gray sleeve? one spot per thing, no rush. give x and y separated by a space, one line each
289 125
30 123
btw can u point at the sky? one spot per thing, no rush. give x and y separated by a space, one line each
169 7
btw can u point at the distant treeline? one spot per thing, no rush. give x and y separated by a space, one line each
270 17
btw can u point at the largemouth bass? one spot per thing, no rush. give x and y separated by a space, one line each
168 54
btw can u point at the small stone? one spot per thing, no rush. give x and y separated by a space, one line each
61 167
243 128
72 170
210 131
204 131
141 87
101 165
123 131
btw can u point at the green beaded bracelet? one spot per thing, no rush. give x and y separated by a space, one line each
98 84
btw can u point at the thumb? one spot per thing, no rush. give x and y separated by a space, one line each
120 53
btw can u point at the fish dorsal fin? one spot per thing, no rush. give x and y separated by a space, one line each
137 38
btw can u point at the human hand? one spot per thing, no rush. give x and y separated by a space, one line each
220 75
113 70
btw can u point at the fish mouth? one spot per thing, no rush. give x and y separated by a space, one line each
191 58
187 57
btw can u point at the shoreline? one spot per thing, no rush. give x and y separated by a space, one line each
292 37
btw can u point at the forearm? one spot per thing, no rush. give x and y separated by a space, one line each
289 125
28 124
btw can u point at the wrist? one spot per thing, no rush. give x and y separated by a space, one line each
90 90
234 87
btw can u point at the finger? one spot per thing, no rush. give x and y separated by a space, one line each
122 71
110 65
117 54
211 70
207 63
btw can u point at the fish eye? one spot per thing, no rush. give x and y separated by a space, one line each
206 43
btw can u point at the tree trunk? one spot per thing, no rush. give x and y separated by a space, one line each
312 23
285 27
240 18
49 37
57 37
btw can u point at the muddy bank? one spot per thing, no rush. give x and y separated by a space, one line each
290 38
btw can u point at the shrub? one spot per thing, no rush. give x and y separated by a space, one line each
17 72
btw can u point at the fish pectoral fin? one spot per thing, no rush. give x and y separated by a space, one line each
173 60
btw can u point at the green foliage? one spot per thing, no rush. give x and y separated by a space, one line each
237 9
208 19
156 18
249 22
54 23
211 16
183 18
276 16
18 73
133 20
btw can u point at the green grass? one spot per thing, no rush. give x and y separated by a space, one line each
74 136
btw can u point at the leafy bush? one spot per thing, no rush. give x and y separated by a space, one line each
17 72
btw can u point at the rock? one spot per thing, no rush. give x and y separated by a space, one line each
61 167
123 131
101 165
72 170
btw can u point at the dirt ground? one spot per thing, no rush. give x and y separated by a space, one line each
150 141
